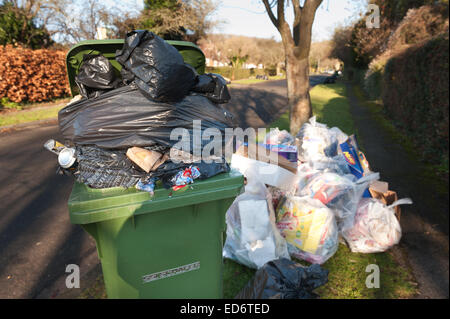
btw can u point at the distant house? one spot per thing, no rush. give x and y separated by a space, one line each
214 63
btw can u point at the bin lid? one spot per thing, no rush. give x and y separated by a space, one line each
191 54
88 205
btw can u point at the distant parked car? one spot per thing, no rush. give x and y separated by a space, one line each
262 77
331 79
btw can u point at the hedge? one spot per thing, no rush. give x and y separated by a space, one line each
416 95
28 75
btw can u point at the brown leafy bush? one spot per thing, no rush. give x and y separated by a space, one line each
32 75
419 24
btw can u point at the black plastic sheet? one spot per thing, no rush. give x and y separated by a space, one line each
124 118
96 76
99 168
284 279
157 68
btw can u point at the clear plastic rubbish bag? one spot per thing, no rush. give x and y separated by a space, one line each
376 229
309 228
315 141
339 193
252 236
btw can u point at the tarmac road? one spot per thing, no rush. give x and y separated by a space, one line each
37 240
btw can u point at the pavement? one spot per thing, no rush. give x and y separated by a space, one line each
425 223
37 240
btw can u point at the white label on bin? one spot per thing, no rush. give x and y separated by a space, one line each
171 272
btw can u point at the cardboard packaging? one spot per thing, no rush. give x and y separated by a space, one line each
262 154
143 158
380 190
279 173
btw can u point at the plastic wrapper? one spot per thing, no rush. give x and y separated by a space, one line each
284 279
376 229
168 170
309 228
96 76
124 118
186 176
157 68
148 186
276 194
252 237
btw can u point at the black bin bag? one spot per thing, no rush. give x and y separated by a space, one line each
284 279
124 117
155 66
214 87
96 76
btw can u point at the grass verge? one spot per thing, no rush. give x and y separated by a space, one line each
32 113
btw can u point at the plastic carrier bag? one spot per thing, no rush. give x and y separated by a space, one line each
252 236
284 279
376 229
309 228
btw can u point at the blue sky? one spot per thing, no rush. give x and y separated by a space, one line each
249 18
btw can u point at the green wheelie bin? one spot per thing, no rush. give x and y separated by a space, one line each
168 245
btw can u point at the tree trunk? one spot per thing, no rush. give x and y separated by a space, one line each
297 75
296 48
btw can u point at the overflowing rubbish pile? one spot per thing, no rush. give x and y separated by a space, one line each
303 195
118 132
319 191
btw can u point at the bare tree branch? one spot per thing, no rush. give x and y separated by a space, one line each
270 13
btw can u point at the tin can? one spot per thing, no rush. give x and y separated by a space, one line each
66 157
